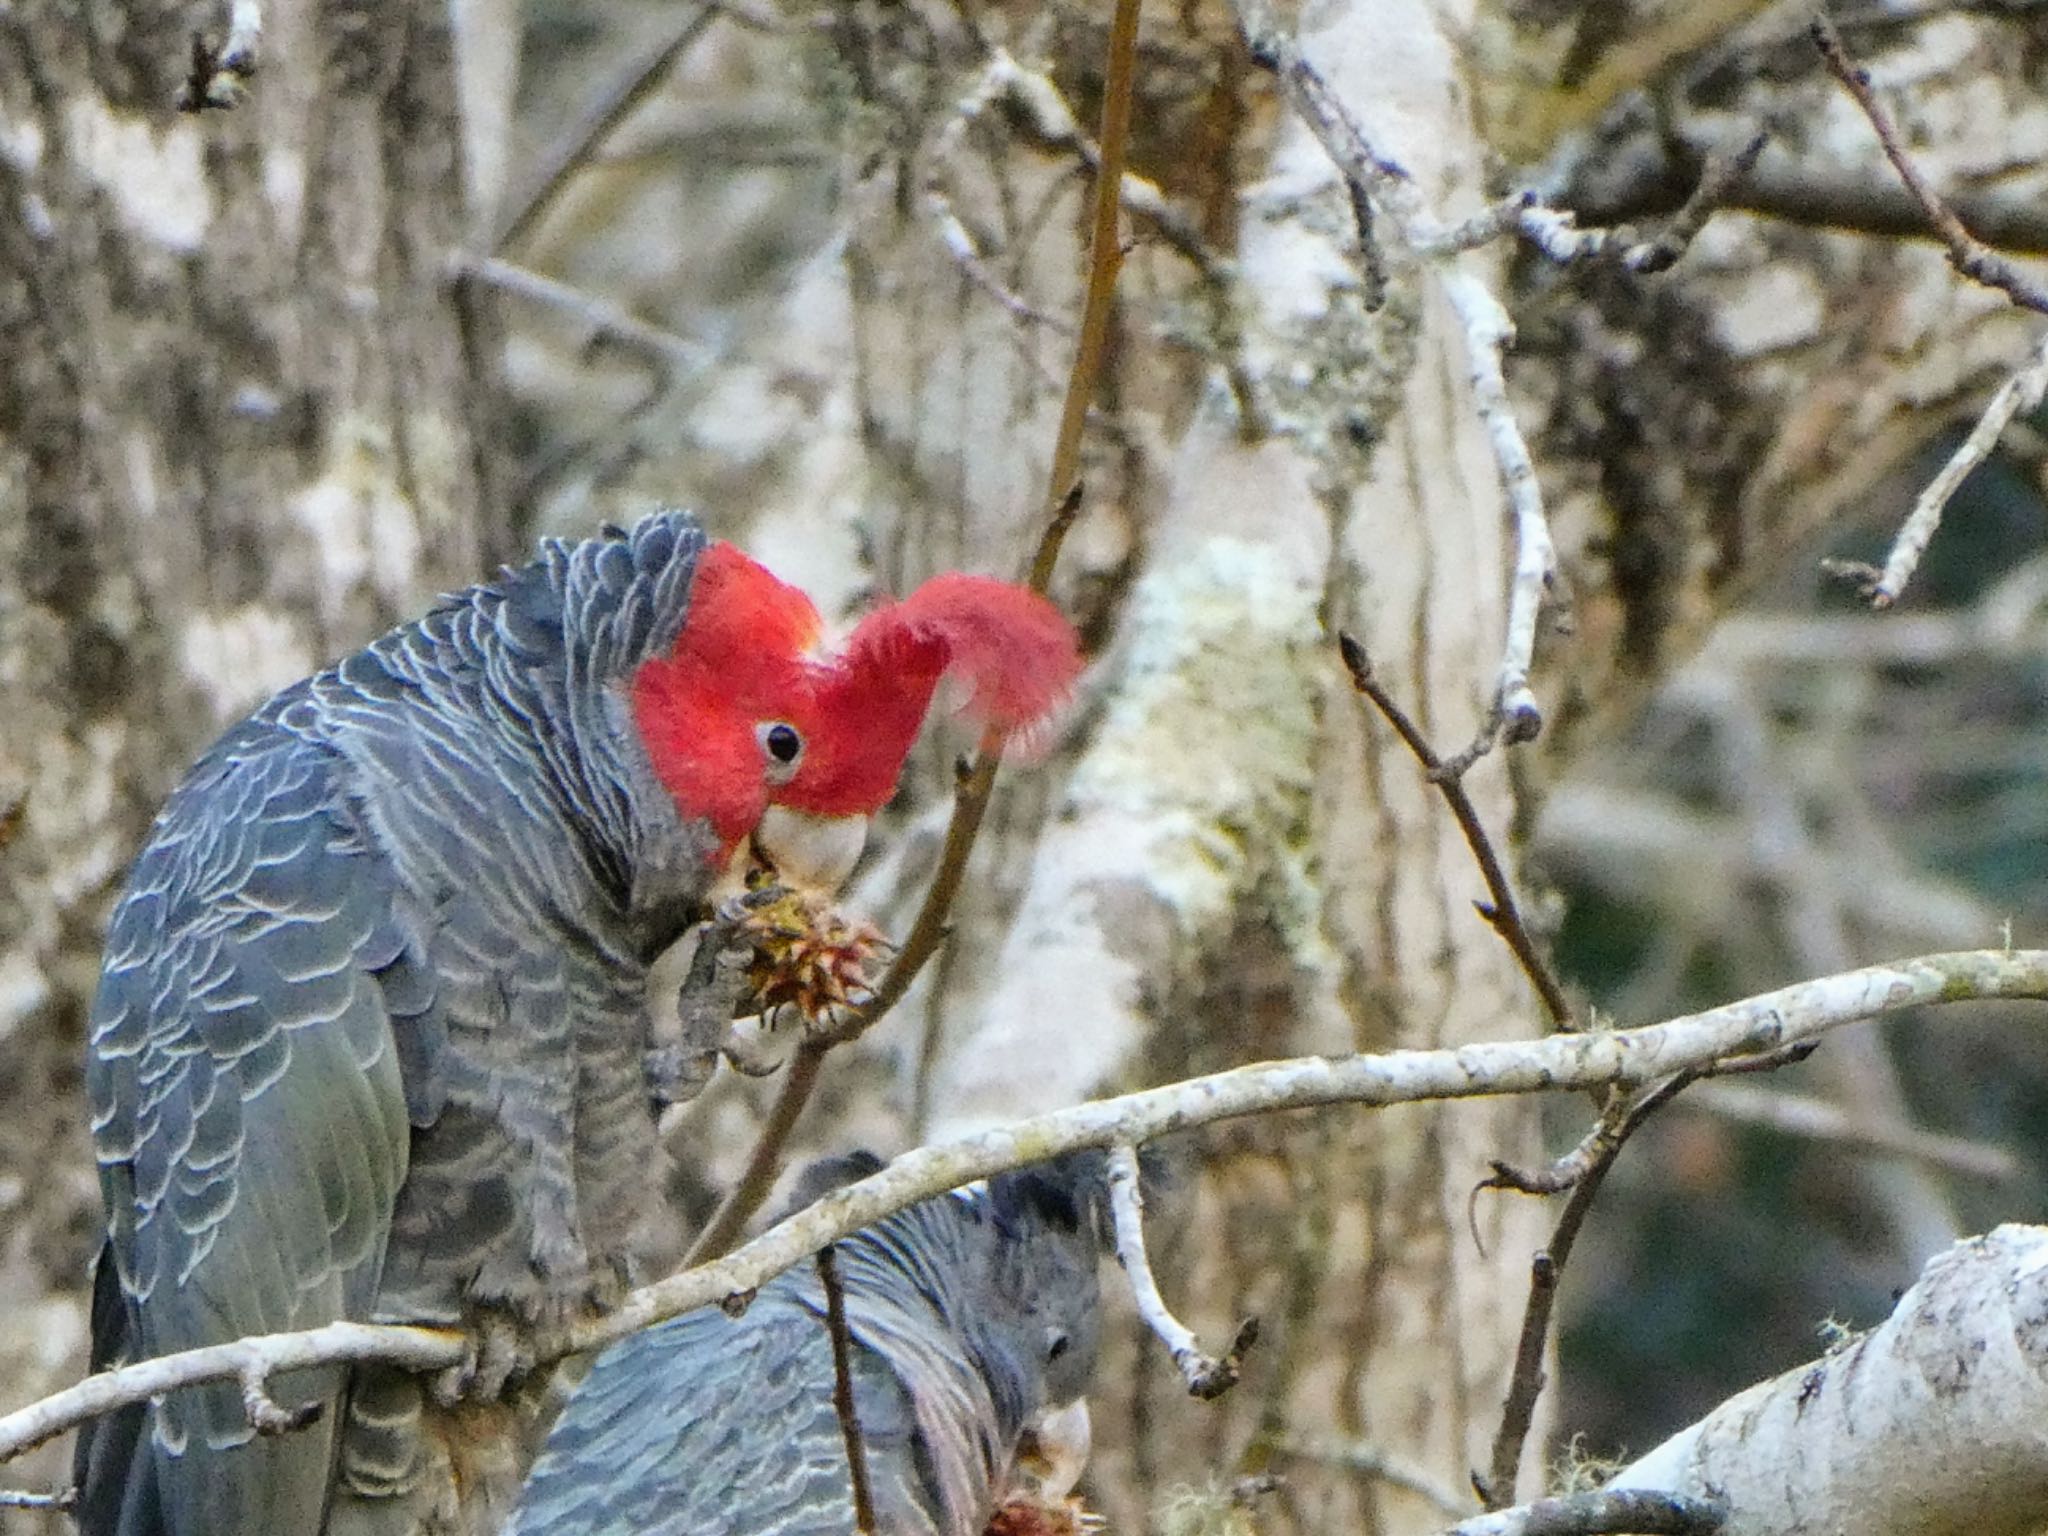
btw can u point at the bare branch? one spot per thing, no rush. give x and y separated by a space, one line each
413 1349
20 1498
1501 911
1208 1376
842 1390
758 1178
1515 716
1556 233
1929 1423
1357 1456
1620 1120
612 106
2021 392
1797 1114
1966 253
1657 174
607 321
1750 1028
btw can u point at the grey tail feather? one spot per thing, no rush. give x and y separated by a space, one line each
114 1465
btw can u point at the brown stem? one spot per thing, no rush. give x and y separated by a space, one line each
971 796
1966 253
612 106
1497 1489
1500 910
842 1391
724 1228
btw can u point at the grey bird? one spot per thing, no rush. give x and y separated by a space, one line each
970 1317
372 1038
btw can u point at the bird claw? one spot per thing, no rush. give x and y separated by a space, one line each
497 1351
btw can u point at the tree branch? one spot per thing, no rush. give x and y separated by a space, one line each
1621 1119
1630 1058
1601 1512
1208 1376
1928 1424
1501 911
1966 253
599 120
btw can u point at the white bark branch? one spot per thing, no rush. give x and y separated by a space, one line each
1631 1057
244 1360
1488 332
1377 179
2021 392
1930 1424
1207 1375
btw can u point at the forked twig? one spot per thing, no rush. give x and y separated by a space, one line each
1982 265
1620 1121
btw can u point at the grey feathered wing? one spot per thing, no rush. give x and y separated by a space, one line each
709 1423
251 1125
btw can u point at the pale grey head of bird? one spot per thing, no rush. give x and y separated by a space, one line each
1039 1294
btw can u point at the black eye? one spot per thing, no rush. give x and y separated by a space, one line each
1055 1347
782 742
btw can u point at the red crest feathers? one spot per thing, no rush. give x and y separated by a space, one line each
744 664
1014 651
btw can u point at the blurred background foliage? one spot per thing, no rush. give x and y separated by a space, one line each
1820 787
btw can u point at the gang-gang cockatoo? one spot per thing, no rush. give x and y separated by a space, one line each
371 1039
970 1318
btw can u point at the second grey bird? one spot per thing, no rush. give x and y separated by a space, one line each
969 1316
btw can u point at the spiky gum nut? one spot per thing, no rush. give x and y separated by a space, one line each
1027 1515
810 957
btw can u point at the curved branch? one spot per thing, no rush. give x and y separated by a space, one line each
1629 1057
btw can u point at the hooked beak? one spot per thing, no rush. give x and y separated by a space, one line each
1054 1450
808 852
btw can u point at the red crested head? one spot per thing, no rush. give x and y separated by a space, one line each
746 712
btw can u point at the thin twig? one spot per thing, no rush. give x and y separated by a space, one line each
1620 1121
2021 392
1208 1376
1556 233
842 1390
1515 715
1797 1114
607 321
1502 913
1661 175
1721 175
1982 265
1748 1030
1357 1456
1601 1512
977 783
610 107
1966 253
753 1184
